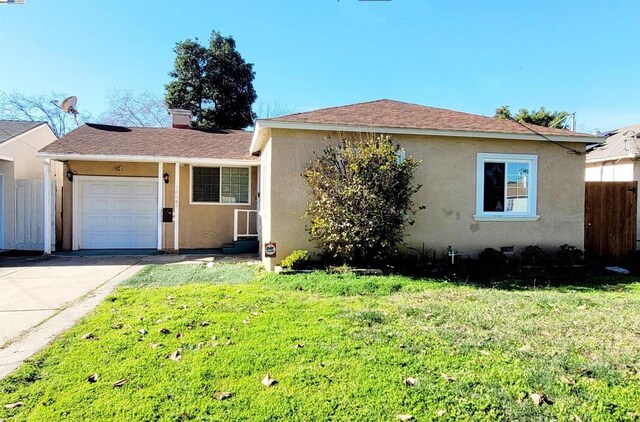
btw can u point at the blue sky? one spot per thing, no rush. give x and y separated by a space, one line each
465 55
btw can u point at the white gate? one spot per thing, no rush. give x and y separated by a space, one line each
30 214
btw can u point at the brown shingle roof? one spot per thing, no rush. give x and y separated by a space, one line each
623 142
9 129
94 139
397 114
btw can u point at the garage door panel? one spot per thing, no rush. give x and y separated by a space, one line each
144 222
146 190
95 205
145 205
122 205
120 223
97 241
121 189
118 213
96 222
94 189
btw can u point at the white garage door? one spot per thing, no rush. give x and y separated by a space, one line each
117 213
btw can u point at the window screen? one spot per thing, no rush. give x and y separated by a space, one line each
206 184
235 185
228 185
494 187
506 187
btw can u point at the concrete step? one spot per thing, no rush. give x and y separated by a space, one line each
241 246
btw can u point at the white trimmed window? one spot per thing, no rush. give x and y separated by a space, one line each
220 185
506 187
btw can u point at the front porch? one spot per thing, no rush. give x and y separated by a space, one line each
167 206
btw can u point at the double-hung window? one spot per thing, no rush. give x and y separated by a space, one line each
506 187
220 185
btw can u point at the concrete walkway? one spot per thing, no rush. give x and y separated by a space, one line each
40 298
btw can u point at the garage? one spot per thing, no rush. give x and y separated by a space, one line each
115 212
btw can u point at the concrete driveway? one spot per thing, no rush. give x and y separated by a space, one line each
41 298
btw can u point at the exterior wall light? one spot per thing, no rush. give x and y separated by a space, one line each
166 178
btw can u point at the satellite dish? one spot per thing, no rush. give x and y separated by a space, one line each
69 105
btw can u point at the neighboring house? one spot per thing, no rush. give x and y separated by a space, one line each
21 189
616 160
486 182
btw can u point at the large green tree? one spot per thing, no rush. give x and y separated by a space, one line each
541 117
214 82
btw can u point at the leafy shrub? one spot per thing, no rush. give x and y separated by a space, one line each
569 254
492 259
360 199
534 255
296 260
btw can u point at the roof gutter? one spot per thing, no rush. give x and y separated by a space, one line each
256 145
612 158
146 159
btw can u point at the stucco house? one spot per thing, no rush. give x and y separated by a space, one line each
616 160
487 182
21 179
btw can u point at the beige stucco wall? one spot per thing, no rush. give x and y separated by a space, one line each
448 175
8 205
23 150
611 171
201 226
26 165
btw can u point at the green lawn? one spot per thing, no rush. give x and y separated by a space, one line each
341 348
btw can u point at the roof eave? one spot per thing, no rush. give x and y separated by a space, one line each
612 158
147 159
256 144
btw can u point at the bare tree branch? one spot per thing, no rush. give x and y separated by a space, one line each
127 108
18 106
273 109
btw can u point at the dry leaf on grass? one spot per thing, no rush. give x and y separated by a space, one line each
222 395
92 378
120 383
176 356
155 345
179 335
410 381
13 405
255 313
204 323
164 331
539 398
228 343
116 326
484 352
299 346
440 413
88 336
448 377
142 331
245 321
566 380
267 381
405 417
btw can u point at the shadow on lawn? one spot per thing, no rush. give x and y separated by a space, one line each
513 277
